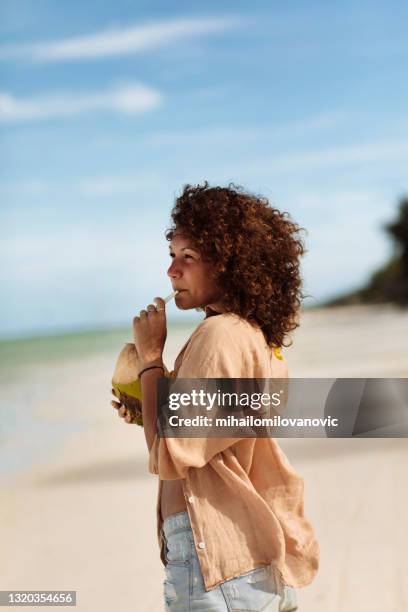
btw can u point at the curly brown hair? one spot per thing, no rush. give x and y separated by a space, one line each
255 250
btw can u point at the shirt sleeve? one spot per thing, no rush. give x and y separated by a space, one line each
171 458
213 352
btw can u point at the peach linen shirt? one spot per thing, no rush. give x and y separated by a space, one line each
244 499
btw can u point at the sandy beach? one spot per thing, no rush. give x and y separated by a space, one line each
81 515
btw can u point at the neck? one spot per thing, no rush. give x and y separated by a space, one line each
213 309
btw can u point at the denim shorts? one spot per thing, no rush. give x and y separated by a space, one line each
259 589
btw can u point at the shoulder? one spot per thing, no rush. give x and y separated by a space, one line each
218 333
223 345
222 325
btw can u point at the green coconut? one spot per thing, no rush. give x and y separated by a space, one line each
126 384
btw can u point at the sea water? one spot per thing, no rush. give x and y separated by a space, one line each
40 402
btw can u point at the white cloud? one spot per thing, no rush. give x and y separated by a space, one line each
221 134
108 186
25 188
343 204
78 252
338 156
120 41
128 98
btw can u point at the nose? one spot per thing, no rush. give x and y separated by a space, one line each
174 271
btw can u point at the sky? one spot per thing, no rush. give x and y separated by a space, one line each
108 108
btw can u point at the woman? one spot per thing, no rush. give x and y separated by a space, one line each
230 518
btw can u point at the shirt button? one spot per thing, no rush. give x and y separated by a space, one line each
201 545
191 499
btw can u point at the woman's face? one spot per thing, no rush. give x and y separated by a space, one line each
191 275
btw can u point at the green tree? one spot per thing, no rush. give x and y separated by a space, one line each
399 232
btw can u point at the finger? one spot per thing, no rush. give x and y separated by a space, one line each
143 314
161 304
138 405
135 328
151 308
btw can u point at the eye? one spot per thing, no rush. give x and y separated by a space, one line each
172 255
186 256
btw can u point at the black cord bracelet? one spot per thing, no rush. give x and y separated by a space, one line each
150 368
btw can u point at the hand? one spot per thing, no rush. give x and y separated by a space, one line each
131 412
150 333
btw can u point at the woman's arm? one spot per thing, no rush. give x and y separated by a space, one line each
149 404
150 332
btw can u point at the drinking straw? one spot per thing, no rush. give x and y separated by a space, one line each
171 296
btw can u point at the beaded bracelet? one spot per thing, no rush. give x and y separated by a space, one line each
150 368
